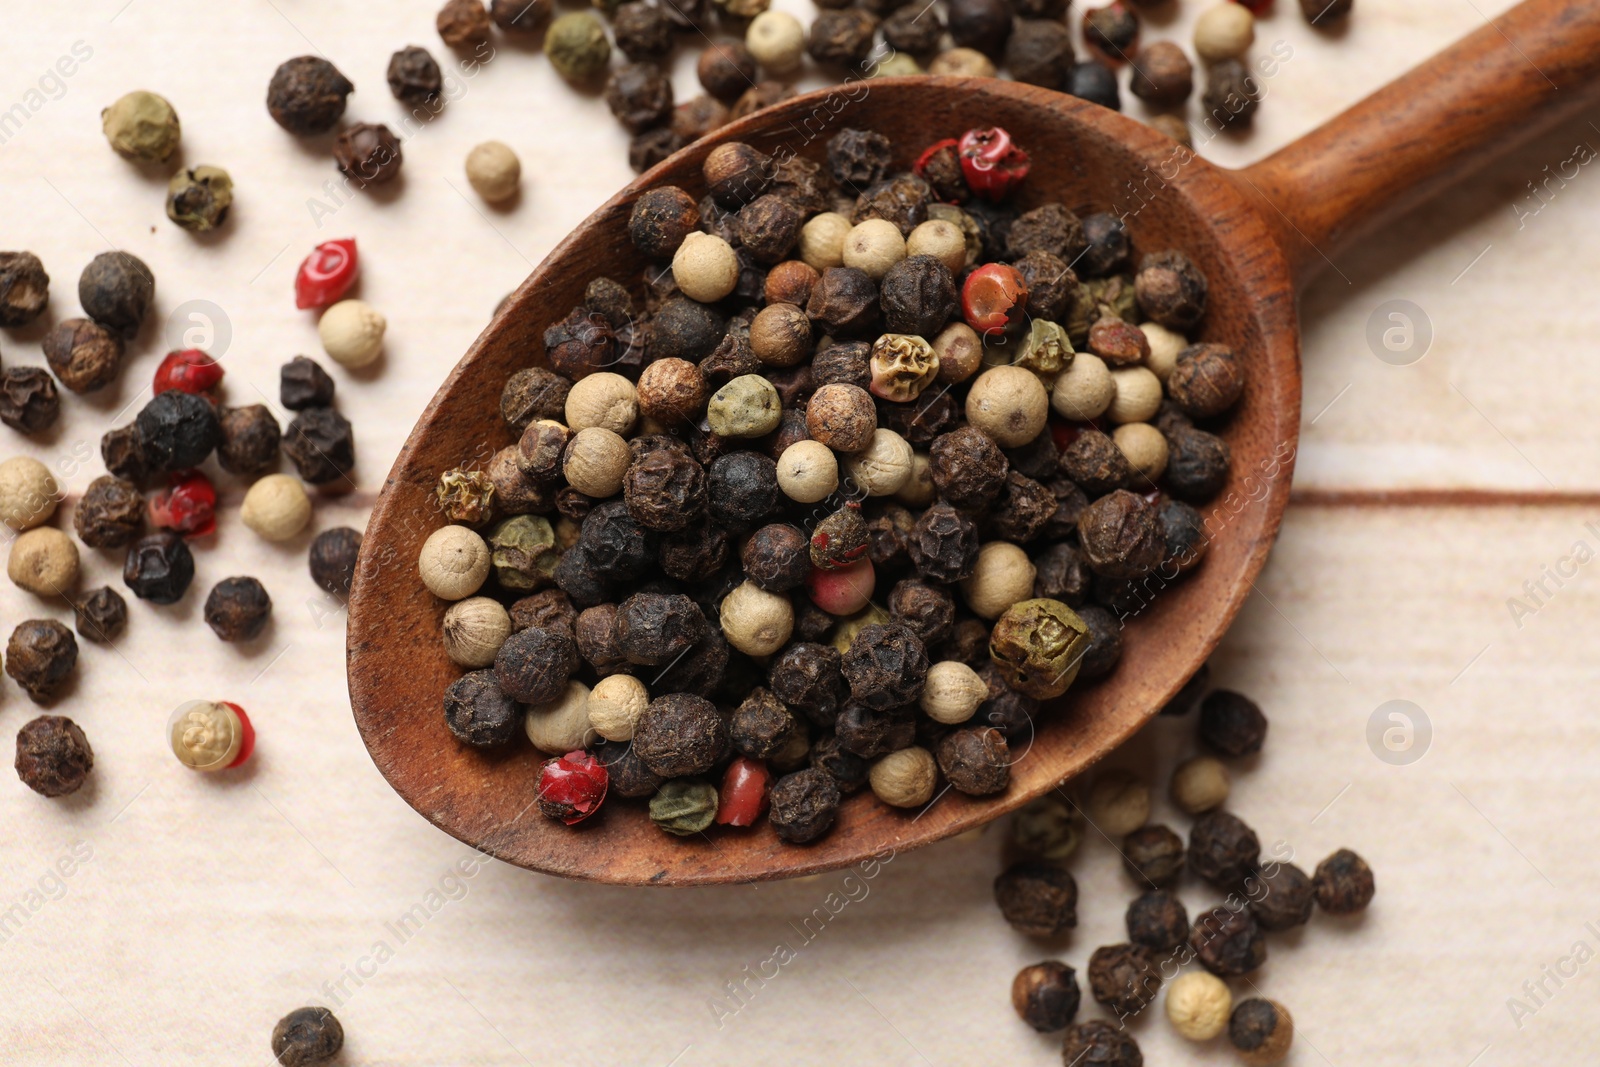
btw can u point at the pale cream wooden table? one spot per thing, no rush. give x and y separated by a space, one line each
199 910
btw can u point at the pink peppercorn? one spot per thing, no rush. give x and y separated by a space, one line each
571 787
326 274
188 505
844 591
743 797
188 370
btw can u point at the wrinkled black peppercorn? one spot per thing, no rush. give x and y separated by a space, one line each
643 30
1039 52
844 301
40 657
302 383
627 774
639 95
29 402
1094 461
885 666
479 713
250 439
1171 290
333 559
1046 995
1102 1045
1282 899
321 445
685 329
1222 849
53 756
926 610
1124 978
530 394
368 153
1343 883
115 290
665 489
307 95
101 616
804 805
177 430
859 157
1039 899
111 513
84 355
1121 535
307 1036
238 609
414 77
654 629
1228 943
761 725
24 289
976 760
1105 642
968 468
943 544
1231 723
680 734
981 24
1197 463
776 557
806 676
741 488
533 666
1060 574
1158 921
159 567
1153 854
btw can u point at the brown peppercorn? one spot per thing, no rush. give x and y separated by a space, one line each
696 118
1198 463
968 643
858 158
1222 849
250 440
101 616
29 402
1227 942
776 558
926 610
414 76
849 363
654 629
871 733
627 776
24 289
1282 899
1100 1044
1124 978
680 734
984 25
665 490
1037 898
1261 1031
1122 536
841 38
1108 249
53 756
84 355
307 95
736 173
841 416
1231 96
1162 75
790 282
761 726
463 24
780 335
661 219
944 544
762 94
1232 724
968 468
1039 52
1112 31
1158 921
238 609
533 666
40 657
321 445
696 555
920 421
640 96
1052 285
902 200
111 513
804 805
1153 854
976 760
1206 381
1343 883
596 637
642 29
302 383
548 609
368 153
888 534
806 676
885 667
333 559
844 302
672 391
726 69
1171 290
1045 995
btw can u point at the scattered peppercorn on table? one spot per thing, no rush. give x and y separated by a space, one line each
1386 643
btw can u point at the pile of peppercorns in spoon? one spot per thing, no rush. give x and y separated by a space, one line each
1038 895
835 382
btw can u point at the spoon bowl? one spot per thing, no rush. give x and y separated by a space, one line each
1254 233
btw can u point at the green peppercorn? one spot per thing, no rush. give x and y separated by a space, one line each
577 47
748 406
142 126
1046 829
198 198
1038 646
684 806
522 552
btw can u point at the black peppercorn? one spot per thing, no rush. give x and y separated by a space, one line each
479 713
320 443
111 513
981 24
122 450
1112 30
1097 83
595 633
307 95
643 30
858 158
741 489
885 666
927 611
841 38
1153 854
726 69
1282 899
920 421
115 290
626 773
177 430
548 609
1005 709
1162 75
806 676
302 383
333 559
1222 849
918 296
1198 463
761 726
967 467
1171 290
575 576
775 558
654 629
53 756
685 329
250 440
640 96
101 616
1105 642
463 24
1050 228
845 302
1343 883
1228 943
1206 381
701 670
40 657
768 227
159 567
24 289
1039 52
1108 249
680 734
1185 532
976 760
1232 724
238 609
307 1036
1052 285
523 16
664 489
944 544
580 344
916 31
1022 510
530 394
29 402
1232 95
1037 898
1157 920
533 666
1100 1044
848 770
414 77
1124 978
902 200
84 355
871 733
804 805
1121 535
1046 995
1060 574
888 534
619 547
368 153
696 555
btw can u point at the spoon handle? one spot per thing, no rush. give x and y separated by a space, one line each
1526 70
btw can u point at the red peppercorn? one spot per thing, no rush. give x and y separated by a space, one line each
991 163
326 274
743 797
188 370
188 504
571 787
247 742
993 297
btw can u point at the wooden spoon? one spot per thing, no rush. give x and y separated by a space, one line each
1258 234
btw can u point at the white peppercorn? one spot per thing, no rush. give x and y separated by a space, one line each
874 246
1198 1005
1002 575
494 171
756 622
561 725
474 630
960 352
1200 784
941 239
705 267
1084 390
1119 803
904 778
1145 447
596 461
453 562
1138 396
962 63
952 692
808 472
615 704
748 406
883 467
276 507
352 333
1225 31
28 493
44 561
822 240
777 41
1165 344
603 399
1009 404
